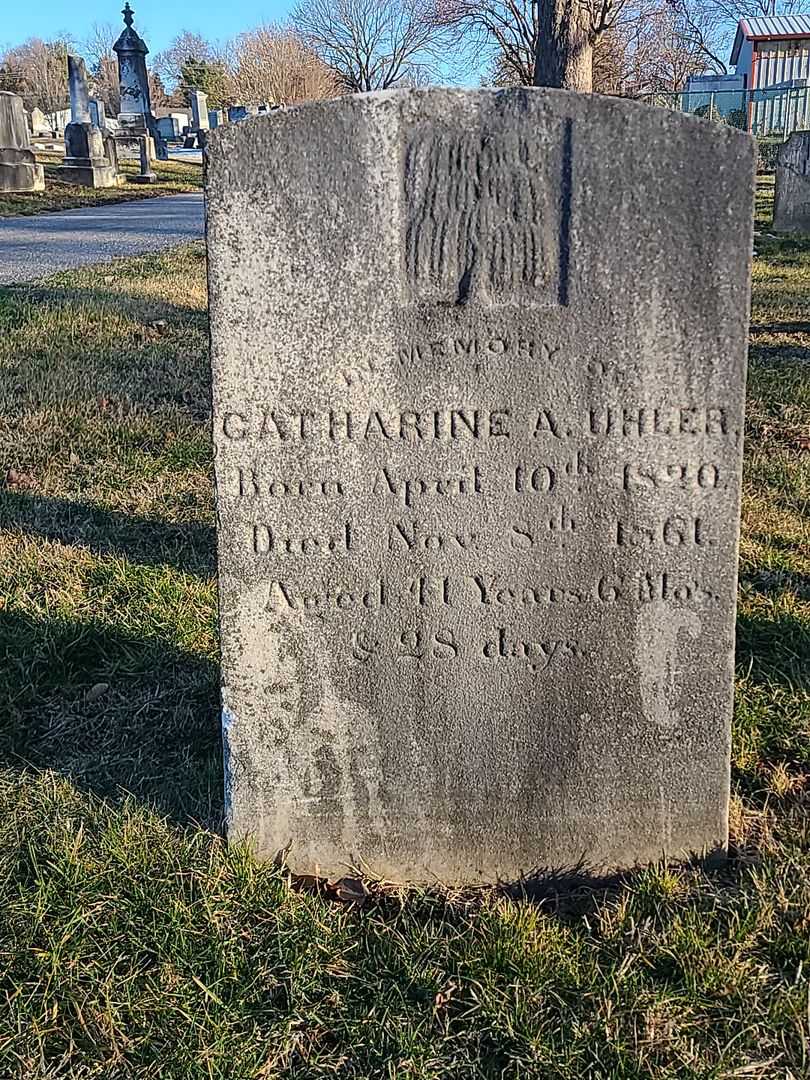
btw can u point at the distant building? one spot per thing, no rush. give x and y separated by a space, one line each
772 51
772 54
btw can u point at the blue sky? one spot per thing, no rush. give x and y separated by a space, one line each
157 21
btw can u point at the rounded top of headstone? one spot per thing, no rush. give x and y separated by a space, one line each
13 124
129 41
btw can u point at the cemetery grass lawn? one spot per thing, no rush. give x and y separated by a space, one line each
174 177
134 943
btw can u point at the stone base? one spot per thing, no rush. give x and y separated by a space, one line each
91 174
134 125
126 147
20 172
142 178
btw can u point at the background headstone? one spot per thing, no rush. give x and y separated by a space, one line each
199 110
98 115
791 206
89 161
13 125
79 94
479 366
40 124
19 171
168 127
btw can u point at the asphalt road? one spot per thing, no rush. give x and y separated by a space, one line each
32 247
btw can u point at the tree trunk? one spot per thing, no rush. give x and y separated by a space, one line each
564 48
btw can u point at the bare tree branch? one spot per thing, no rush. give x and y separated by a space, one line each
39 71
188 45
370 44
273 64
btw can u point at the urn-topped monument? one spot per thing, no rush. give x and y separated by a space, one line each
135 117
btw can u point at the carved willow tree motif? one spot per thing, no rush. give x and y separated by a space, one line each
482 218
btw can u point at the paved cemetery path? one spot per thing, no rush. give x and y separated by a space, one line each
32 247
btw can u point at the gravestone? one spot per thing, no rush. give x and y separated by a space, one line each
88 160
98 115
237 113
19 171
39 123
199 110
479 365
172 126
791 206
135 117
168 127
216 117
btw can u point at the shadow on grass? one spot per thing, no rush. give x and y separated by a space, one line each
771 583
144 308
778 328
70 346
778 354
115 713
774 650
779 248
189 547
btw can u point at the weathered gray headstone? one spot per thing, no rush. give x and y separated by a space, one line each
199 110
19 171
791 207
479 366
40 125
88 160
168 127
13 126
98 115
79 93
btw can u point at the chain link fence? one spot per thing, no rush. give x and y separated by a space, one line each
771 115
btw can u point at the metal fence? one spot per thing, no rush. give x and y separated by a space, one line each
772 113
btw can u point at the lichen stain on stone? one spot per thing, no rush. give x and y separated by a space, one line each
656 649
346 756
336 768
